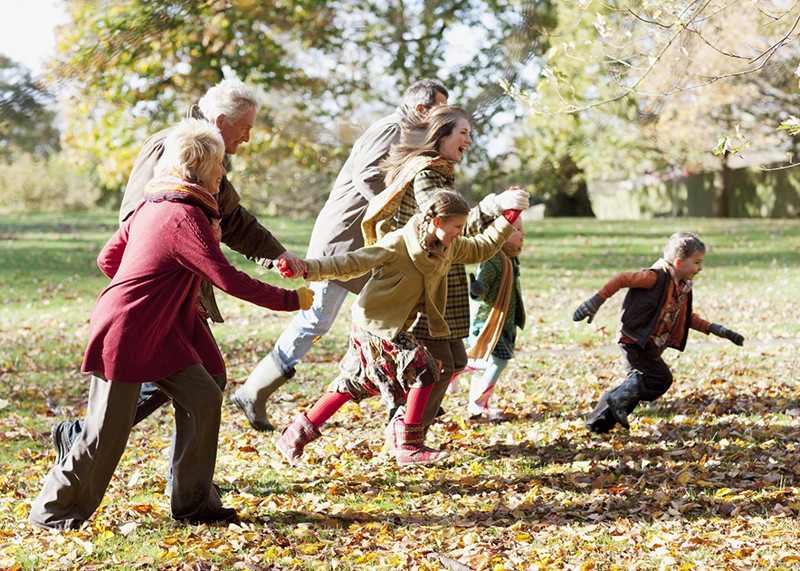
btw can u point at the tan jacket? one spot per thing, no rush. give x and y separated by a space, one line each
338 226
405 279
240 229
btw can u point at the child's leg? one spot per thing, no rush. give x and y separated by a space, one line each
649 377
410 433
326 407
415 404
481 387
305 427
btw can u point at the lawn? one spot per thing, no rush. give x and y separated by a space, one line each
707 477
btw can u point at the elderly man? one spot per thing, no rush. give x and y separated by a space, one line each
232 107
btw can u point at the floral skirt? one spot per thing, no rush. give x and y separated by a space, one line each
375 366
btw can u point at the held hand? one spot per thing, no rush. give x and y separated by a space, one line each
588 308
515 198
305 296
511 215
476 287
291 266
722 331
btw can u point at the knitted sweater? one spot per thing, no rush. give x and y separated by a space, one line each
145 325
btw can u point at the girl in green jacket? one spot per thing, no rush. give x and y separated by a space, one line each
497 313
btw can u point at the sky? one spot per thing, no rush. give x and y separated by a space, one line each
27 30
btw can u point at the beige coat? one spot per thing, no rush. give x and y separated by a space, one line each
405 279
338 226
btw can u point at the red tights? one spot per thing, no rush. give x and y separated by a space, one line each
330 402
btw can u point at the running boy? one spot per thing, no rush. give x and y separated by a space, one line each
656 314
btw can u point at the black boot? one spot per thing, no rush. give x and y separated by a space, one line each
620 398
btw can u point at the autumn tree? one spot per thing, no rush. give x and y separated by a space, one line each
326 70
27 122
645 86
130 67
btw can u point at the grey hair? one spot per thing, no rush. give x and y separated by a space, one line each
423 92
191 148
682 245
231 98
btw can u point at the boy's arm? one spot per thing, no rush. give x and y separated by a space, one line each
645 279
704 326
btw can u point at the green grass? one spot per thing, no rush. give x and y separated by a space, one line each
706 478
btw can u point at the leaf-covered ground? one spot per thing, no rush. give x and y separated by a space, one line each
708 477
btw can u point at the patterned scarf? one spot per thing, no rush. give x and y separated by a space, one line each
672 307
381 209
174 188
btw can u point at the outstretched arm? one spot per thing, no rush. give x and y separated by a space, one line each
645 279
724 332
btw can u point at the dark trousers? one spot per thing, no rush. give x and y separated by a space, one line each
75 487
651 374
151 398
453 356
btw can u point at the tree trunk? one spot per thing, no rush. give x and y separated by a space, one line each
722 179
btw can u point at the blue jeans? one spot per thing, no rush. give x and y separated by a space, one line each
310 324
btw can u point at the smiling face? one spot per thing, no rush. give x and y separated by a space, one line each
452 146
517 238
687 268
237 132
448 229
216 172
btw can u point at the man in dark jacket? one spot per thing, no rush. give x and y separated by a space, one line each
232 107
336 231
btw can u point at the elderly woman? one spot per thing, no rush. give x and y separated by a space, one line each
145 327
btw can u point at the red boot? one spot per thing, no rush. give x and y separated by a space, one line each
410 448
295 437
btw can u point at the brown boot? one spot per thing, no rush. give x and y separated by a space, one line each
295 437
410 448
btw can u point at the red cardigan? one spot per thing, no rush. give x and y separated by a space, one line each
145 325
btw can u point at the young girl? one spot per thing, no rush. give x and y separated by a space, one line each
146 327
410 268
498 313
420 164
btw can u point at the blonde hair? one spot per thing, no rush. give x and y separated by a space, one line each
191 148
421 137
682 245
231 98
442 204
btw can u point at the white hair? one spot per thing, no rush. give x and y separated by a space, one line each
231 98
191 148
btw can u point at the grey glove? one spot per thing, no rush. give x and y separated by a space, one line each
722 331
588 308
476 287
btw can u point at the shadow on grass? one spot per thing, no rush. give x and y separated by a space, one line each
692 465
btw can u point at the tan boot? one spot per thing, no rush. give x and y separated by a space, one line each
411 448
295 437
251 397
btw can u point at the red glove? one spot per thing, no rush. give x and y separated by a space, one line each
283 268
